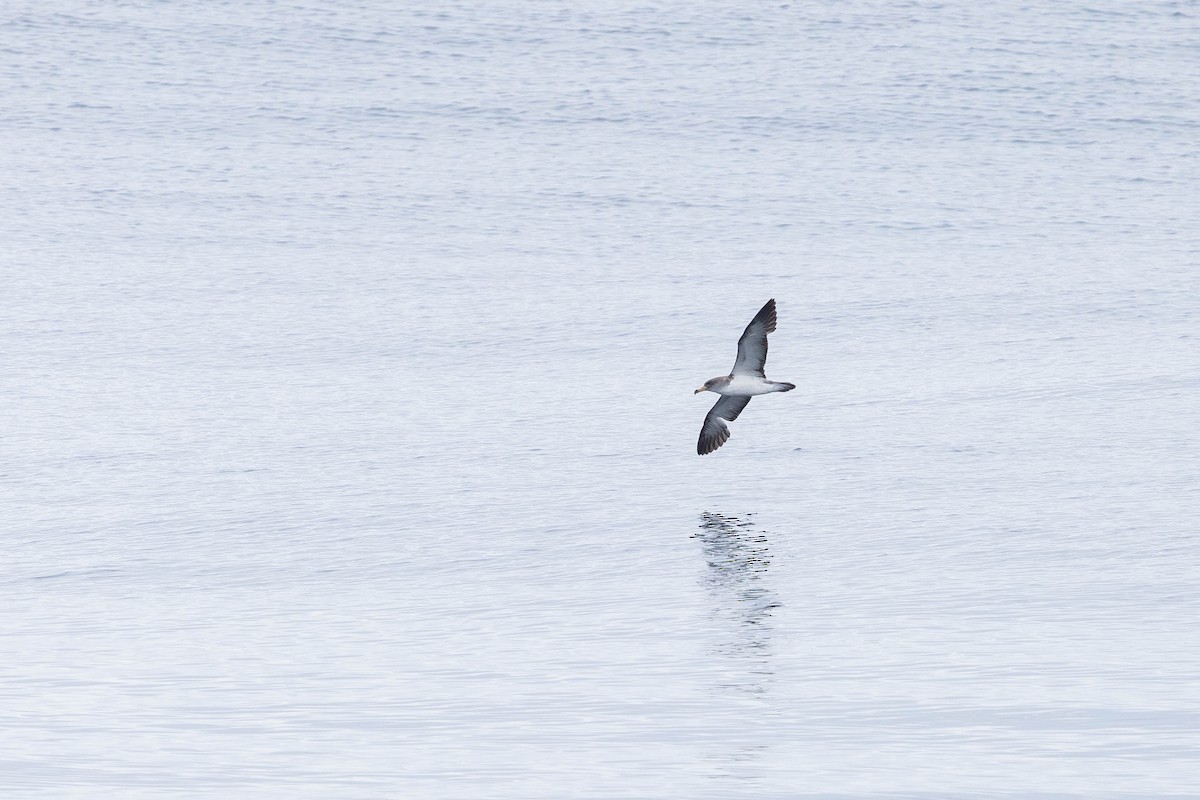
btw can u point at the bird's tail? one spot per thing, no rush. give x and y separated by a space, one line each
784 387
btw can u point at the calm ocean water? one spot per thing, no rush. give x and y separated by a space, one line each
348 356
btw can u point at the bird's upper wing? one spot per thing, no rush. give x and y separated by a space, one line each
752 347
715 432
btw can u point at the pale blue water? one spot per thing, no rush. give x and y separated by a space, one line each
348 356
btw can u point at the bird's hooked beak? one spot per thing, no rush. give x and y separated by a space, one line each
701 389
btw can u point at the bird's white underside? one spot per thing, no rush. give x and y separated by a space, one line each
748 385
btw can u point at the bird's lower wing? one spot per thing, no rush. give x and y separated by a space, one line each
715 432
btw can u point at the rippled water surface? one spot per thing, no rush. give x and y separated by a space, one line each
348 357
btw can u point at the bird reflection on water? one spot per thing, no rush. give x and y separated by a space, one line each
739 557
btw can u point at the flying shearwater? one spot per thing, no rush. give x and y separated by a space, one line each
745 380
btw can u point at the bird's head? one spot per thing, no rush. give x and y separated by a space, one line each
711 384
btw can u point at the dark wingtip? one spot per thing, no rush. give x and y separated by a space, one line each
766 315
712 444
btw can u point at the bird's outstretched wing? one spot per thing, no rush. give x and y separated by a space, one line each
715 432
752 347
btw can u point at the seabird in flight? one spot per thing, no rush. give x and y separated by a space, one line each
745 380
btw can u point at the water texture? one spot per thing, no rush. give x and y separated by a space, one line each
348 352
